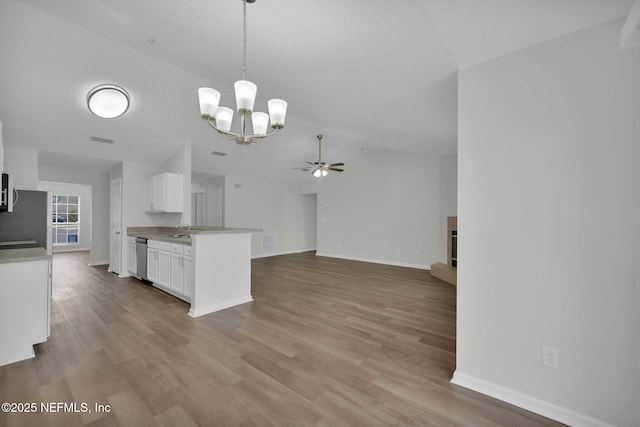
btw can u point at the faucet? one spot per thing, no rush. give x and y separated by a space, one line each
187 226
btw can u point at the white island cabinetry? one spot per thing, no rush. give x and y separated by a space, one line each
181 270
210 267
164 264
152 260
25 301
221 271
169 267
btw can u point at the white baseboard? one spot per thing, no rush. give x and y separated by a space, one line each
377 261
217 307
529 403
16 355
96 263
306 250
269 254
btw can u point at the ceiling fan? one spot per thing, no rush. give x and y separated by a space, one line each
320 168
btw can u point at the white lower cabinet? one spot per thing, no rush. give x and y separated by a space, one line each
177 272
152 261
169 268
181 262
164 264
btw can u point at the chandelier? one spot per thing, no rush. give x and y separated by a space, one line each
220 118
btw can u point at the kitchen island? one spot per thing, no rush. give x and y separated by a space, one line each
25 299
212 265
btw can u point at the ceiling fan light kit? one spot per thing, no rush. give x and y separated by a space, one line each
221 118
319 173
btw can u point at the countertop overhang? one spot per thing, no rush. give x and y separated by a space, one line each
180 235
22 254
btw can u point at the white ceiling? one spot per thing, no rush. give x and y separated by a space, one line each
368 74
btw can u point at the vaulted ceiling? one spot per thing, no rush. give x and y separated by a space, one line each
368 74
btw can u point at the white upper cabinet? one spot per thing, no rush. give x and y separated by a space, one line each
164 193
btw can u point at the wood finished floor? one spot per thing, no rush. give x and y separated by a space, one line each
326 342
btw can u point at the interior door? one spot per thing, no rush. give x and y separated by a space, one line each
197 208
214 207
115 227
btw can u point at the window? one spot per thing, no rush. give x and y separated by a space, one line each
66 220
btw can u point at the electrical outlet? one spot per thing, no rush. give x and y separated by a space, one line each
550 356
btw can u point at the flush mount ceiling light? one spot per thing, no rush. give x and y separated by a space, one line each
108 101
220 118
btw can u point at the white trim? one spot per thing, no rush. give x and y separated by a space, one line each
374 261
217 307
96 263
529 403
268 254
306 250
377 261
18 356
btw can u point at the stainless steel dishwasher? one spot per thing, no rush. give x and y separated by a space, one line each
141 257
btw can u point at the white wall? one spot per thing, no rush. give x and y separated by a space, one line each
549 201
100 193
22 164
133 213
267 205
388 207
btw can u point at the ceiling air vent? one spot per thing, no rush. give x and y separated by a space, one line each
218 153
103 140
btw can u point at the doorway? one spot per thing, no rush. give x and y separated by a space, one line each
307 222
197 208
214 207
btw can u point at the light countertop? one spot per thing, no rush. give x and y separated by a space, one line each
21 254
181 235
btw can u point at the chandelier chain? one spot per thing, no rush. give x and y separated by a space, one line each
220 118
244 39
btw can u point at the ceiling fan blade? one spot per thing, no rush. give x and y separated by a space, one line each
336 164
336 169
303 168
312 164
